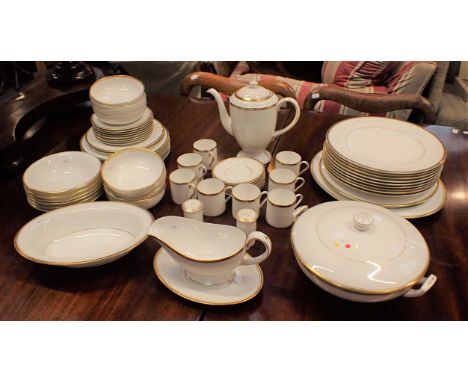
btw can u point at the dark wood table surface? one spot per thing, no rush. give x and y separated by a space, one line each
128 288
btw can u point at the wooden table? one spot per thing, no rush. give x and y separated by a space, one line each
128 288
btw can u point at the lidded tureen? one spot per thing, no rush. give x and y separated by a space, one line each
361 252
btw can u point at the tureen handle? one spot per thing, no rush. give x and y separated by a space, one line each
295 119
265 240
427 283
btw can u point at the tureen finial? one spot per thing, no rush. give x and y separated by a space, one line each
363 221
253 83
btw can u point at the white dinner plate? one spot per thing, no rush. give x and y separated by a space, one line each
247 283
372 142
428 207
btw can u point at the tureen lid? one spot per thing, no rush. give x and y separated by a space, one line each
360 247
253 96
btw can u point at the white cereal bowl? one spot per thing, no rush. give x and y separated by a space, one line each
121 117
83 235
116 90
133 172
61 172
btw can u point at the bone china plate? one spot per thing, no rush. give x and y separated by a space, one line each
238 170
83 235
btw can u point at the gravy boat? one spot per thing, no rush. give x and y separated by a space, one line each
208 253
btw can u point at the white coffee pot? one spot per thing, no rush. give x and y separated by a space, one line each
254 112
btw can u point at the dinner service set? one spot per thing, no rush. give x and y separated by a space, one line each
252 120
348 168
122 119
62 179
135 176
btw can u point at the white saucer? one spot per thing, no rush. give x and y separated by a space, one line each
236 170
428 207
247 283
264 156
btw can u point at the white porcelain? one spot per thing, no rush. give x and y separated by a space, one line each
133 172
208 150
193 209
285 178
252 122
208 253
249 196
282 207
116 90
388 257
246 220
120 118
144 202
157 133
246 283
233 171
292 161
429 207
194 162
183 185
61 172
418 150
213 194
83 235
392 201
146 117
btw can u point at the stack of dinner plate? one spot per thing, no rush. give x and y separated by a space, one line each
237 170
122 119
62 179
382 161
135 176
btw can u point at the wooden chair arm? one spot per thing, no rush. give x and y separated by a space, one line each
372 103
229 85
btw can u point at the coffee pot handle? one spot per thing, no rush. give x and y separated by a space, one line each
265 240
295 119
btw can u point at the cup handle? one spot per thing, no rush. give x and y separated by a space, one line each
194 190
265 240
262 202
299 198
427 283
225 192
306 166
295 119
298 211
202 171
211 160
301 183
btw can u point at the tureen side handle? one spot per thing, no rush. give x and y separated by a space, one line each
427 283
295 119
265 240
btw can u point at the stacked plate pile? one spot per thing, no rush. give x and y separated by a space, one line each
237 170
62 179
135 176
122 119
382 161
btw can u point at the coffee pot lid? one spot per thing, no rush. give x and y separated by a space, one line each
253 96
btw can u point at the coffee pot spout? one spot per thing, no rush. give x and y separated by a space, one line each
223 114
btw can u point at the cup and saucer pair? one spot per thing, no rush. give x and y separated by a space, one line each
246 284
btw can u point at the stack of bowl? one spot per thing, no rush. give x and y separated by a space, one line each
62 179
135 176
382 161
122 119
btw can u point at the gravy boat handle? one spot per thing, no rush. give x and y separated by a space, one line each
265 240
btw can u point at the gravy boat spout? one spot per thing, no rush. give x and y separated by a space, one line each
208 253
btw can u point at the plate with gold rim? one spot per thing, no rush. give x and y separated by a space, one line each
247 283
429 207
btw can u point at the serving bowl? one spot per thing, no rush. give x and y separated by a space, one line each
116 91
133 172
83 235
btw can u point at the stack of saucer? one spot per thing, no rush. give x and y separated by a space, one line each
382 161
62 179
135 176
237 170
122 119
